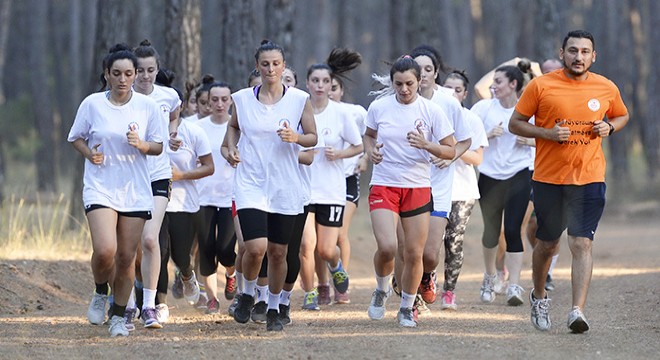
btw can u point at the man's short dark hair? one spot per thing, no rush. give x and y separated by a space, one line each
580 34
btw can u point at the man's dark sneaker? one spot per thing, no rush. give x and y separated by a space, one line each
244 308
273 322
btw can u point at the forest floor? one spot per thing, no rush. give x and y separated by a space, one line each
43 305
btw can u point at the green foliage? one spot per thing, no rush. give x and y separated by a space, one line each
22 141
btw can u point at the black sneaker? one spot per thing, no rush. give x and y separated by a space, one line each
259 312
285 311
244 308
273 323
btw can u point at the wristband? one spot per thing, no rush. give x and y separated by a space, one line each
611 129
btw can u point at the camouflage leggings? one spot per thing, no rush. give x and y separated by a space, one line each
454 233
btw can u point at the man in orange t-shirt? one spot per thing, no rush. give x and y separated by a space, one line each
569 106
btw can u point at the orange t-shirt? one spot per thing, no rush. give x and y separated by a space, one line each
554 97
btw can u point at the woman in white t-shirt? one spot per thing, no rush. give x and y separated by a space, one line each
465 191
398 139
267 180
149 259
504 184
328 185
115 130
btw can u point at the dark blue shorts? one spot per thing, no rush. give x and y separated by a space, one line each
577 208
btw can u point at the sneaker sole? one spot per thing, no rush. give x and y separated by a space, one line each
449 307
514 301
579 326
155 325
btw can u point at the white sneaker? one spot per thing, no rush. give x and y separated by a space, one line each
96 309
117 326
540 312
406 318
162 313
487 291
376 309
576 321
191 290
500 284
514 295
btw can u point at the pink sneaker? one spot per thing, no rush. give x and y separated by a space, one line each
342 298
448 301
324 294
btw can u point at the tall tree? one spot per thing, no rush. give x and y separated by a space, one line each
240 40
5 11
183 39
279 22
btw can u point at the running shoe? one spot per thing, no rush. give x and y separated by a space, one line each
233 305
514 295
96 309
376 309
324 294
162 313
117 326
487 291
212 306
285 314
577 322
427 288
342 298
243 308
129 315
395 286
500 284
549 285
311 300
406 318
540 312
191 289
258 314
230 287
420 306
339 280
202 301
177 286
273 321
149 318
448 301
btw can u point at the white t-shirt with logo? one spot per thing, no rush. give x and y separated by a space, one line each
404 166
504 157
443 179
167 100
122 182
334 127
218 189
358 114
194 144
268 177
465 176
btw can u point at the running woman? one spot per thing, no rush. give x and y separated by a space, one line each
115 130
328 191
267 180
400 128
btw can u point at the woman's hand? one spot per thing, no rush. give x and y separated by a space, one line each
96 157
376 155
287 134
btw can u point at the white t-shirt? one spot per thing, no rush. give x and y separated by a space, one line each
404 166
218 189
443 179
358 114
465 177
268 177
334 127
504 157
194 144
168 100
122 182
192 118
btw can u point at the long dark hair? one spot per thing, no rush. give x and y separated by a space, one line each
117 52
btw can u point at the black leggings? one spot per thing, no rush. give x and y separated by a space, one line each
218 244
176 239
293 251
510 197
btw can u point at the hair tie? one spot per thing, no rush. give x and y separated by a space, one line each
407 57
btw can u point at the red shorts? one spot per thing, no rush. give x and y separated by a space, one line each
404 201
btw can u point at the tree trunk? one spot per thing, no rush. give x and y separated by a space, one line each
183 39
5 12
279 23
240 22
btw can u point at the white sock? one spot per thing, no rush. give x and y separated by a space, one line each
274 301
262 293
130 304
407 300
383 283
552 264
250 286
332 270
285 297
148 298
240 282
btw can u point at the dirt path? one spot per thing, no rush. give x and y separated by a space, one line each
43 304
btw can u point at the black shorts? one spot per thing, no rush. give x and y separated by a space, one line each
353 188
162 188
138 214
328 215
277 228
577 208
